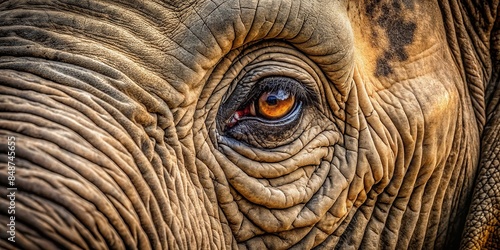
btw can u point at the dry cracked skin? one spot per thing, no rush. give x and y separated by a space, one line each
278 124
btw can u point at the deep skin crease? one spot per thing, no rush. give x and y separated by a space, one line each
125 139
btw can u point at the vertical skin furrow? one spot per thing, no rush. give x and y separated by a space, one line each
451 188
471 42
382 218
482 227
195 176
402 224
435 185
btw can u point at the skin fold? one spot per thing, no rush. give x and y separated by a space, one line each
135 124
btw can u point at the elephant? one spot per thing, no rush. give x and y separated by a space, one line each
250 124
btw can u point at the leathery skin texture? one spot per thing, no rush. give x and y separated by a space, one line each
250 124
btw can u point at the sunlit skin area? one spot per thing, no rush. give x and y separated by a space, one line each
249 124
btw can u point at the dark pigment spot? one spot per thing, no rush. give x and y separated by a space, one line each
399 32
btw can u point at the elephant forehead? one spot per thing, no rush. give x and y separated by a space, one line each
197 36
206 31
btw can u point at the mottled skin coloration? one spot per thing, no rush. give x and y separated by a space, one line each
136 128
398 31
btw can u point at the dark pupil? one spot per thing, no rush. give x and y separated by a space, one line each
272 100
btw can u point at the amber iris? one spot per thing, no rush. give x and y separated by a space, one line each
275 104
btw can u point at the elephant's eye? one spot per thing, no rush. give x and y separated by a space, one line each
267 112
274 105
270 105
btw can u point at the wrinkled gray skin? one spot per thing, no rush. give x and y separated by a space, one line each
120 112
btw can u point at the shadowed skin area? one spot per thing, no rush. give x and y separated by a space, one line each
136 125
